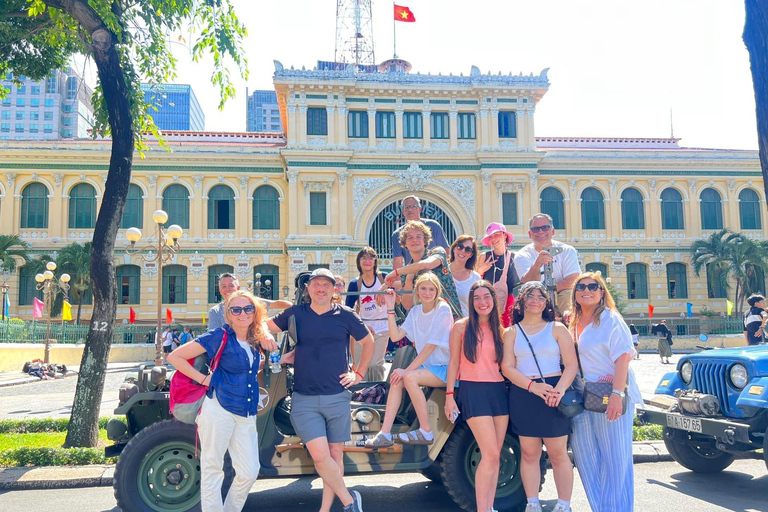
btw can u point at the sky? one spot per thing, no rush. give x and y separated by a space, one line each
618 68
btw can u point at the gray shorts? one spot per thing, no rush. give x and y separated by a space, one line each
328 416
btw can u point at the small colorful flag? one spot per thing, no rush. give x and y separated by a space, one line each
132 317
66 311
37 308
7 306
403 13
650 311
729 307
204 323
690 309
168 316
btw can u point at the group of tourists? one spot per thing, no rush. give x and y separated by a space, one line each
505 361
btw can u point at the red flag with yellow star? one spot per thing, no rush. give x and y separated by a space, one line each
404 14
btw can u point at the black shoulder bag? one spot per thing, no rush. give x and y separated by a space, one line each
572 402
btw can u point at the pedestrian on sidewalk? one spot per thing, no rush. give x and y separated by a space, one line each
602 442
665 338
227 419
754 319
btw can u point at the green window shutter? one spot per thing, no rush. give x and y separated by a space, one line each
214 271
439 125
357 124
413 125
266 208
133 215
221 208
507 124
128 279
637 281
82 206
677 281
467 126
592 209
385 125
632 211
34 206
317 121
749 209
711 209
176 205
509 208
28 287
552 204
317 209
671 209
174 284
716 282
597 267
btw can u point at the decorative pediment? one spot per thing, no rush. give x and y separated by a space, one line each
618 263
414 178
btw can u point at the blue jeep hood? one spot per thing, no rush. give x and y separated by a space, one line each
753 353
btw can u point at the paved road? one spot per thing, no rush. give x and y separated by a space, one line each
661 486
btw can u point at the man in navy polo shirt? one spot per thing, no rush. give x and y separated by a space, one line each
320 411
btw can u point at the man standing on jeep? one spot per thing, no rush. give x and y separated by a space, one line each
320 411
228 284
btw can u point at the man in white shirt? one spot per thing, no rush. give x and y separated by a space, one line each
530 260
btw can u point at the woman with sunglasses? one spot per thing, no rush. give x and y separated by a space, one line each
498 268
533 349
476 355
227 419
602 442
463 258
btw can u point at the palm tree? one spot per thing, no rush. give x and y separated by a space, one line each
75 259
725 255
12 248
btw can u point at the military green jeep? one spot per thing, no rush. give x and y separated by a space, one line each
158 470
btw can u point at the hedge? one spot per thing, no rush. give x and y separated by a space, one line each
42 425
54 457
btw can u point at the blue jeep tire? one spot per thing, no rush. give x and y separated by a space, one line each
698 457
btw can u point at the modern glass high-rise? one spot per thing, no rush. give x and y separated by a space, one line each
177 107
57 107
263 114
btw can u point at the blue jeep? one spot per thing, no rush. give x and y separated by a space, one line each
715 409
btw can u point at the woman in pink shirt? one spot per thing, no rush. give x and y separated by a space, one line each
476 355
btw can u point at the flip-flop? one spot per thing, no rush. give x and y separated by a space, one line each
414 437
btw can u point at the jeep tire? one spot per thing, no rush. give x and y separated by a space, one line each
157 470
458 463
699 458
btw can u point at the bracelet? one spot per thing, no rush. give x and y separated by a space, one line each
529 385
390 311
397 273
447 393
359 375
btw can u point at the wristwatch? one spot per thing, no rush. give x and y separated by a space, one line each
617 392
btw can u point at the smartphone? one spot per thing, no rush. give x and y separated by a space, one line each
454 416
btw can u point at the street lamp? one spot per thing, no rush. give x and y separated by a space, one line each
51 287
258 290
167 247
4 288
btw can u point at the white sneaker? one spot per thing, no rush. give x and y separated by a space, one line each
561 508
533 507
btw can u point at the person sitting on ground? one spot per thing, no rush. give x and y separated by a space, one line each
428 325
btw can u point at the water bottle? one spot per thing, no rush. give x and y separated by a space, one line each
274 361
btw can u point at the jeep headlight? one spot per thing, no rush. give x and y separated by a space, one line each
739 376
686 372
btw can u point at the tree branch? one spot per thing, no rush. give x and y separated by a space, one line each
101 37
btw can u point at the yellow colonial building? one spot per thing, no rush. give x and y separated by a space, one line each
267 206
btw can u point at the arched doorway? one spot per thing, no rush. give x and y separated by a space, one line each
390 218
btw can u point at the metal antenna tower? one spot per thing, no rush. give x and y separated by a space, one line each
354 32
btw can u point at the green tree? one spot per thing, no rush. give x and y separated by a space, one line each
75 259
618 298
12 249
128 42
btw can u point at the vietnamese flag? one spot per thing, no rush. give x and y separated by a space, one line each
168 316
132 317
404 14
650 311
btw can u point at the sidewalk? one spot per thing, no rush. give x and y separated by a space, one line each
70 477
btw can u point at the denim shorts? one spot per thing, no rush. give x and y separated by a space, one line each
329 416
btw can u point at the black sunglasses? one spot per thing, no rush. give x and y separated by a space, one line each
466 248
593 287
545 227
248 310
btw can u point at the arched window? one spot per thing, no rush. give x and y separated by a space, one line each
632 212
128 279
221 208
749 209
553 205
716 282
269 273
34 206
82 206
597 267
266 208
27 286
214 271
671 209
711 209
637 281
175 284
176 205
592 209
133 215
677 281
755 280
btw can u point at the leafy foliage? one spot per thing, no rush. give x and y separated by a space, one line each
12 247
54 457
42 425
75 259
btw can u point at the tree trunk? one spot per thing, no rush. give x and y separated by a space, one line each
756 39
83 425
79 307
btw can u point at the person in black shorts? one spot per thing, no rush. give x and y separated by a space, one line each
320 411
754 319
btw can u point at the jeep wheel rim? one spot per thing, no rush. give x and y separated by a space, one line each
169 478
509 479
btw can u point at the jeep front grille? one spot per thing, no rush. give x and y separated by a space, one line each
711 378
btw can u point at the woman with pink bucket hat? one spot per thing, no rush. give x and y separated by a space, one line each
497 267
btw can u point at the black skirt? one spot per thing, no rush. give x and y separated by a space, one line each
482 399
532 417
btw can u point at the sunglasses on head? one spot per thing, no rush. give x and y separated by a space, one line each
466 248
593 287
536 229
237 310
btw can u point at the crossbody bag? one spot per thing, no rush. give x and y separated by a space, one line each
596 394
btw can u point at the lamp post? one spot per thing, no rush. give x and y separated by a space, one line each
51 287
167 247
4 288
259 289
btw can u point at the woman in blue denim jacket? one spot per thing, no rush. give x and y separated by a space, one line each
227 420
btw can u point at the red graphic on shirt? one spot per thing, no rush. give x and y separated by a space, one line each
366 299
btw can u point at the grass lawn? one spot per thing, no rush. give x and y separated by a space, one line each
42 440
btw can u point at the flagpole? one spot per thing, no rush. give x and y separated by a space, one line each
394 32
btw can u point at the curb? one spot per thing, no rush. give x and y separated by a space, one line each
30 379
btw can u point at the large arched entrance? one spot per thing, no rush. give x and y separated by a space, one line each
390 218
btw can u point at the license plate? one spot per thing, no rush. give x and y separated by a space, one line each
683 423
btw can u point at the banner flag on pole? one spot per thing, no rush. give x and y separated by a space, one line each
66 311
204 324
650 311
37 308
132 317
168 316
403 13
729 307
690 309
7 306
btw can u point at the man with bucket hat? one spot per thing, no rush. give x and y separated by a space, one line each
496 266
531 259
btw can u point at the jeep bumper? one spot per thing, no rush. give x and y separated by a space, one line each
724 430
